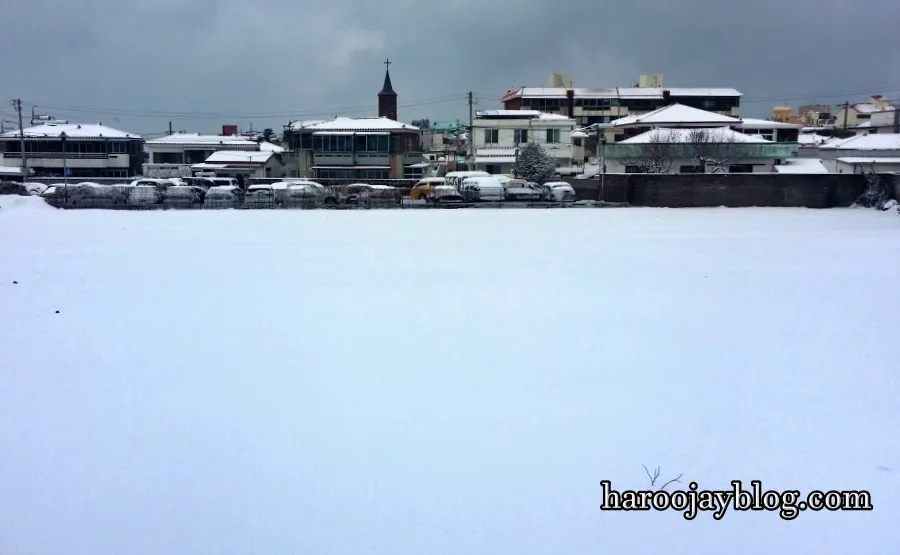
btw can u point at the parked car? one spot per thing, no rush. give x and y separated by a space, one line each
519 189
225 182
160 184
203 182
503 179
455 179
366 195
183 196
302 195
422 189
145 196
223 196
481 189
34 188
557 191
259 196
447 196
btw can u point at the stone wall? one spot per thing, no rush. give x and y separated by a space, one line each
734 190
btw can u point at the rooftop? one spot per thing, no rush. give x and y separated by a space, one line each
802 166
619 92
682 135
518 114
753 123
358 124
203 140
675 114
270 147
73 130
878 141
238 156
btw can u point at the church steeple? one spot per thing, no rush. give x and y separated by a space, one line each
387 98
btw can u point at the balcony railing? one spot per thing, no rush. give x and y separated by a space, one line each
68 155
682 150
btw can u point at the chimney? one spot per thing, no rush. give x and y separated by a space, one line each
229 130
667 97
570 103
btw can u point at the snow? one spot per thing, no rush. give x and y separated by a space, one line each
233 156
675 114
801 165
807 139
11 170
868 160
754 123
681 135
74 131
286 382
360 124
618 92
270 147
878 141
196 139
869 108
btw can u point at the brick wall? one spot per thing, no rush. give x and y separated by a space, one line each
735 190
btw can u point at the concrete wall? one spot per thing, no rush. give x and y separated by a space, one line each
735 190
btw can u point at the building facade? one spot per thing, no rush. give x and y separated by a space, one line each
498 133
81 151
241 164
853 115
174 155
589 106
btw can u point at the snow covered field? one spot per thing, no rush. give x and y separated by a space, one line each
442 383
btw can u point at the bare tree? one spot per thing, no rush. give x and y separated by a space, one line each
656 155
708 148
654 478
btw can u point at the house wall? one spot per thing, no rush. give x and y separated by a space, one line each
759 165
843 167
852 115
537 133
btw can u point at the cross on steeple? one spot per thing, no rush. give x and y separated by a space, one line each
387 64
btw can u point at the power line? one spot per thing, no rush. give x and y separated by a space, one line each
286 114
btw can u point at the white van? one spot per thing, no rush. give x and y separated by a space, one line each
482 188
455 179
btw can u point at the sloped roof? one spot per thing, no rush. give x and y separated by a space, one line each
877 141
270 147
361 124
74 130
675 114
682 135
753 123
233 156
204 140
801 165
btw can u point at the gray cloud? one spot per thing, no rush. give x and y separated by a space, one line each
201 64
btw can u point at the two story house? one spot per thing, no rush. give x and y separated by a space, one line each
498 133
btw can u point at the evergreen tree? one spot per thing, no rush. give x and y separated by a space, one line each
534 164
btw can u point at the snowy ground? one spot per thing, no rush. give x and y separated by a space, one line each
441 382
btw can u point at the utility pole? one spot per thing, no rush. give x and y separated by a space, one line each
17 104
170 128
471 131
896 120
846 112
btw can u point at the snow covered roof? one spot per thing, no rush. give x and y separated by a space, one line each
753 123
619 92
579 135
233 156
675 114
801 165
869 160
806 139
196 139
298 125
360 124
73 130
878 141
682 135
270 147
868 107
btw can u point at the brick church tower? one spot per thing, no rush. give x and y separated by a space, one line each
387 98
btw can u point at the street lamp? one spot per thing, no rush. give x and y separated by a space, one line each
62 138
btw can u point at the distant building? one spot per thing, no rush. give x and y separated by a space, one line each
817 115
785 114
174 155
589 106
499 133
91 150
862 153
855 114
243 163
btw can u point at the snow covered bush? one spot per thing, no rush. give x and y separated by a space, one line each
12 188
876 194
534 164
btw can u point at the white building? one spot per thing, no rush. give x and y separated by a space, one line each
242 163
79 150
862 153
174 155
862 112
777 131
697 150
498 133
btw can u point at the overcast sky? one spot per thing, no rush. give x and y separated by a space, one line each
137 65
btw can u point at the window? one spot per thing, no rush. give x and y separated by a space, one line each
576 142
491 136
492 169
373 174
740 168
520 136
553 135
863 116
692 169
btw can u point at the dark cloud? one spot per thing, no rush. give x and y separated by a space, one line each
202 64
